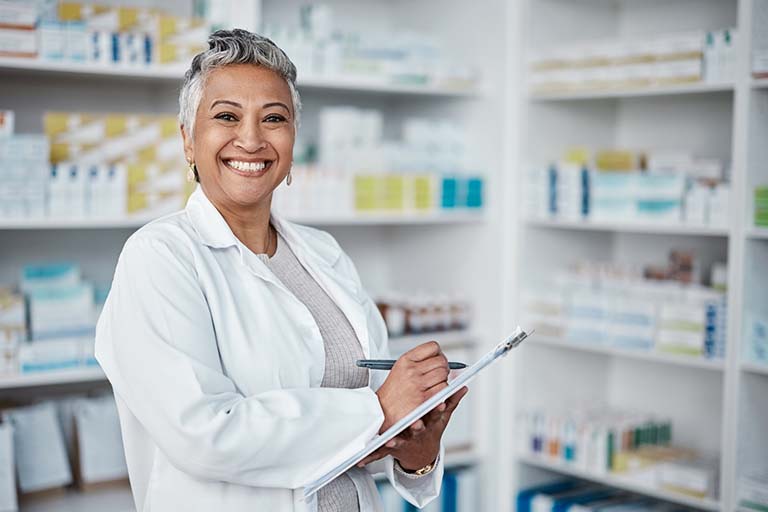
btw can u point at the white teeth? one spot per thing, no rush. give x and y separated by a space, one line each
247 166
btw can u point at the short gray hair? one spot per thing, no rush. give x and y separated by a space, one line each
227 47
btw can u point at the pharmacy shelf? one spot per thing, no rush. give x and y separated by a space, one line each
621 482
39 224
760 83
174 73
624 227
759 233
114 498
52 378
400 344
666 90
643 355
755 368
372 219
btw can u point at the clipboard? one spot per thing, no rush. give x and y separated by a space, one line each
501 350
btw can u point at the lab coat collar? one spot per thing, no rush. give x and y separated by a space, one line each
213 230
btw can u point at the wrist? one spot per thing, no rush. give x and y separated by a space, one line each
417 472
415 465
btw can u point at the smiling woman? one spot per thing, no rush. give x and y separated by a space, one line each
230 335
242 146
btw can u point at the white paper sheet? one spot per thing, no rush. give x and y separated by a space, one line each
41 457
100 443
455 385
7 471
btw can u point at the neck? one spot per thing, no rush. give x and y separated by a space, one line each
251 226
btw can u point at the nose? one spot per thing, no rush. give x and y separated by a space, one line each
250 138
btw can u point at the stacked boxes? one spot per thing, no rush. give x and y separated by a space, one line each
178 39
320 47
612 307
98 34
606 440
110 165
12 330
629 187
615 64
353 169
595 440
52 325
756 339
18 37
23 172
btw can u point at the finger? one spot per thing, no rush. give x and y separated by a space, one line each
417 426
378 454
434 365
430 363
436 388
453 401
423 351
433 378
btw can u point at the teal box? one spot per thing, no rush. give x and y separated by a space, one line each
449 193
474 193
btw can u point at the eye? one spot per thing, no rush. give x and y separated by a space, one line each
274 118
226 116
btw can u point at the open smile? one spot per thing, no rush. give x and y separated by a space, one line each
248 168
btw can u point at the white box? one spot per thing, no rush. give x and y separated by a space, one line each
100 452
41 456
7 119
18 14
8 502
18 42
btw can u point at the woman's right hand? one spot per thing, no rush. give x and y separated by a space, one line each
416 376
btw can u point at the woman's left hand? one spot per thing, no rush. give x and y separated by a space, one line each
415 448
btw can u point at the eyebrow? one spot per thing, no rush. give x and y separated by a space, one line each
226 102
277 104
238 105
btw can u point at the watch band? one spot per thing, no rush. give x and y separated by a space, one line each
419 472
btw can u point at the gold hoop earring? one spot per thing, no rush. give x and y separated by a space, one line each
288 179
191 172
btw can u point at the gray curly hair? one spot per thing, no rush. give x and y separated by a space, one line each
227 47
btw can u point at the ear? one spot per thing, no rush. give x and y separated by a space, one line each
189 152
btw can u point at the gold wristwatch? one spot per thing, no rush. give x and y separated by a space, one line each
419 472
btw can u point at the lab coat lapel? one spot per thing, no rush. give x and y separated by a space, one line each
344 291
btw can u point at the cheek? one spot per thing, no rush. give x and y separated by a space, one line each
283 142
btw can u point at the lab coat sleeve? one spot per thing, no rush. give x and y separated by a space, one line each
157 345
418 491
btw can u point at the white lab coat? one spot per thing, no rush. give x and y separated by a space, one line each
216 369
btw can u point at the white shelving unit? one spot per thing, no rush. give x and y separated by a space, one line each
623 227
599 94
52 378
439 252
643 355
715 405
363 219
173 73
758 233
759 369
622 483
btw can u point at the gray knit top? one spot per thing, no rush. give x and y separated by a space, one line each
342 349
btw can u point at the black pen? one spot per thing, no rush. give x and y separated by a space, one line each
387 364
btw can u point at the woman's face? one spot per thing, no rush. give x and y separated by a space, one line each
243 137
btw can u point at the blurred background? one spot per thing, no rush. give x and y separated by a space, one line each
594 169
